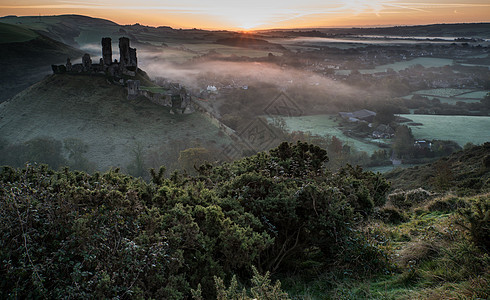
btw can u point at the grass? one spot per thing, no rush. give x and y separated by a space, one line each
461 129
15 34
443 92
154 89
475 95
432 255
427 62
451 95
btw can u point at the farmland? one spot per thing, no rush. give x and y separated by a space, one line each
461 129
451 95
326 126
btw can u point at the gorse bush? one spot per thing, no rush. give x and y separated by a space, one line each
477 221
70 234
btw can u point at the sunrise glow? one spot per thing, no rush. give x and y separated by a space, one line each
254 14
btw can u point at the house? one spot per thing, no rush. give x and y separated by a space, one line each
421 144
362 115
383 132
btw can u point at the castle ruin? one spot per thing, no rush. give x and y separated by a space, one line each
127 65
123 72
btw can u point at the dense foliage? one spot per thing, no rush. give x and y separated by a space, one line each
70 234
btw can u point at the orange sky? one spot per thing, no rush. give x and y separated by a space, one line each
260 14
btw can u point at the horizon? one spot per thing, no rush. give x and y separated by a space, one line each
255 15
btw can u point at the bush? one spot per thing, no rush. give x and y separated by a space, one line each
70 234
408 199
392 215
477 222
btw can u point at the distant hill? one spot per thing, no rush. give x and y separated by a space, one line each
64 28
466 171
78 30
14 34
98 114
467 30
26 57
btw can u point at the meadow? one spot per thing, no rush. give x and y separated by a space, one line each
326 126
451 95
461 129
427 62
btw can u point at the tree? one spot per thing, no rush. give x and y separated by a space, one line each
403 142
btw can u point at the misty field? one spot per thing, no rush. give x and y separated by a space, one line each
427 62
451 95
326 126
461 129
443 92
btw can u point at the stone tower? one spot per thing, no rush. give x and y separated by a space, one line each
107 50
127 54
124 51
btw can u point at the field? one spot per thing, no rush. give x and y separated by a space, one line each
325 125
461 129
451 95
427 62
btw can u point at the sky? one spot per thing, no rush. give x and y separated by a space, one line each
260 14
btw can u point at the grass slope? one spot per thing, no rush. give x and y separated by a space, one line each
26 57
64 28
97 113
465 171
14 34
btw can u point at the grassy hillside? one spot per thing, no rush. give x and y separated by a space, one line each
97 114
26 57
65 28
14 34
466 171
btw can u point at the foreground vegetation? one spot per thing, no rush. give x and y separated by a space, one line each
226 231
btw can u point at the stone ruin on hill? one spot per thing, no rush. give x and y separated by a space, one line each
127 65
123 72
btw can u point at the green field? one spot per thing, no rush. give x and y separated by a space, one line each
461 129
427 62
325 125
443 92
474 95
15 34
451 95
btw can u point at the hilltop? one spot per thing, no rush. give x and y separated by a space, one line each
114 131
26 57
64 28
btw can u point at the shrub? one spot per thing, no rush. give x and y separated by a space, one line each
477 221
392 215
408 199
70 234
